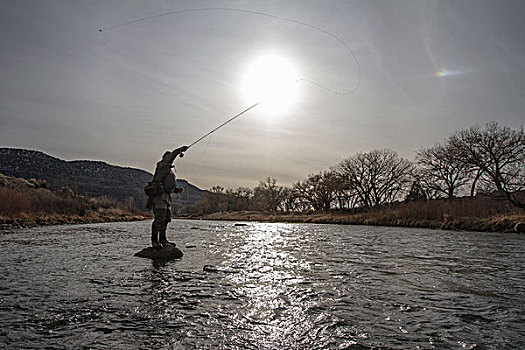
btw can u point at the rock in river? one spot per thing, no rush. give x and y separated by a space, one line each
168 252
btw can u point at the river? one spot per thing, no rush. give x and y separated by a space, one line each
261 286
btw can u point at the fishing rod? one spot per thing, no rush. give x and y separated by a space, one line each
253 106
249 108
223 124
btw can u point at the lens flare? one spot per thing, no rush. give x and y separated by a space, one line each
443 73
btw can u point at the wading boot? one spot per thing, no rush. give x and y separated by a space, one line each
155 237
162 238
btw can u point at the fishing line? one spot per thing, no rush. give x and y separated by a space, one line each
184 170
202 154
253 12
290 20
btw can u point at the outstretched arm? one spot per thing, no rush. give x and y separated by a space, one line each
180 149
177 152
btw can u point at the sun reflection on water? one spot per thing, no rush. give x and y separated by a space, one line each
273 282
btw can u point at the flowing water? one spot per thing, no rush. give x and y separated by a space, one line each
261 286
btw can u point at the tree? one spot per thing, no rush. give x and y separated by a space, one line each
215 200
377 177
239 199
345 196
416 192
288 200
244 196
498 152
217 189
267 195
318 190
441 172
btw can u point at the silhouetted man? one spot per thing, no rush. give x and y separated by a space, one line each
165 182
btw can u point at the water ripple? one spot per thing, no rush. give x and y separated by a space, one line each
262 286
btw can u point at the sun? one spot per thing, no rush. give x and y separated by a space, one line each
272 81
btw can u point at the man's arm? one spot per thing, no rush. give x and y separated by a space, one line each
176 152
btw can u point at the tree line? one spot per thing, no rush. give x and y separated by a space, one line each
478 160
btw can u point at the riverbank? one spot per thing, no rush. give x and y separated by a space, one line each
28 203
497 223
31 220
483 213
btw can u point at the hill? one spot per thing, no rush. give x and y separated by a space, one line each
87 178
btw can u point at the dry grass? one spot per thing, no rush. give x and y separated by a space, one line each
13 202
466 214
25 220
29 203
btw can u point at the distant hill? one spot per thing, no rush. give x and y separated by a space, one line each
88 178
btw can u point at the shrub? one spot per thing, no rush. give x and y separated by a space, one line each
13 201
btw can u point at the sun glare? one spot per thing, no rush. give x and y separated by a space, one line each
272 81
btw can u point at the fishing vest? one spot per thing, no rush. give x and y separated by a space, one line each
164 180
170 182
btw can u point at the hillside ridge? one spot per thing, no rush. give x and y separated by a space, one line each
88 177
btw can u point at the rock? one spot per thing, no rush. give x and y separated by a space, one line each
211 268
520 227
167 252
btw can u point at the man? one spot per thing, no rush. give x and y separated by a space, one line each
160 203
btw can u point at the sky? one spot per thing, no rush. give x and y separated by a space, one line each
128 93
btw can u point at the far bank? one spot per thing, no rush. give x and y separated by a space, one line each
498 223
25 220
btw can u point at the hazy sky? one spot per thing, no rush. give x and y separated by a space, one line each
126 95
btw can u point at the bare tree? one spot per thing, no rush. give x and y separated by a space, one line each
301 191
243 196
345 196
217 189
498 152
288 200
215 200
267 195
441 172
416 192
377 177
318 190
